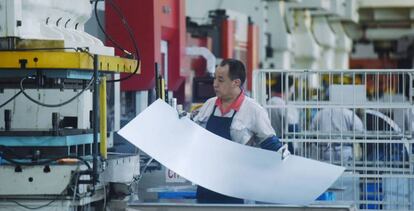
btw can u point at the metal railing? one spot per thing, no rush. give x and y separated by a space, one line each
359 119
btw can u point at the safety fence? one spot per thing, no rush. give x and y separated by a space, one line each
359 119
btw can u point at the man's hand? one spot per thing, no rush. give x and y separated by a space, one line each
194 113
284 151
181 114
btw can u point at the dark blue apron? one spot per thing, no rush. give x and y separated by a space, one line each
221 127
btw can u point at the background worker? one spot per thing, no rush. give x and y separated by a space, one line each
337 121
283 119
236 117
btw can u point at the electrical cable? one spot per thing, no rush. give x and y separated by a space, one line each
34 208
10 151
52 105
75 189
12 98
50 202
127 27
144 169
43 162
136 180
104 32
33 100
131 36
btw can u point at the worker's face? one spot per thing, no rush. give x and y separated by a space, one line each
224 86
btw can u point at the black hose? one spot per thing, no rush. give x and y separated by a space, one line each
131 36
12 98
22 90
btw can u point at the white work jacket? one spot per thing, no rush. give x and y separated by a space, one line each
280 117
250 124
336 120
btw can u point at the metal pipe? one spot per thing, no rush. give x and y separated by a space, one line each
95 118
157 85
162 88
7 119
102 119
55 122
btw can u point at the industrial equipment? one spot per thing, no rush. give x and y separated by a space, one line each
63 93
54 137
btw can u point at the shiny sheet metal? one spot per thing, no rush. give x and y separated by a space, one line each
224 166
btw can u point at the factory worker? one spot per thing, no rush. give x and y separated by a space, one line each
283 119
335 121
236 117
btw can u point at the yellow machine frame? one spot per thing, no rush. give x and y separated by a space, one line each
64 60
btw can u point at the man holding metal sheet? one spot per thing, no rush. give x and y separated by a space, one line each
236 117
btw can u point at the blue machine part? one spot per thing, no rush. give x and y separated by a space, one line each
372 192
327 196
46 141
177 195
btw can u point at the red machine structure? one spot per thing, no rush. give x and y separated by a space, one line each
162 36
152 23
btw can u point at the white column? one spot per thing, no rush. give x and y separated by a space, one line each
343 46
281 40
306 50
325 37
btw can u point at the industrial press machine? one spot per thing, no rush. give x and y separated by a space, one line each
55 124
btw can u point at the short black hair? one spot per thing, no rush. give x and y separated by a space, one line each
237 69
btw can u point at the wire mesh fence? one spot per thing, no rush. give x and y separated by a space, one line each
360 119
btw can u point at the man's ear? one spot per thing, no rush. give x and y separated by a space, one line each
237 82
